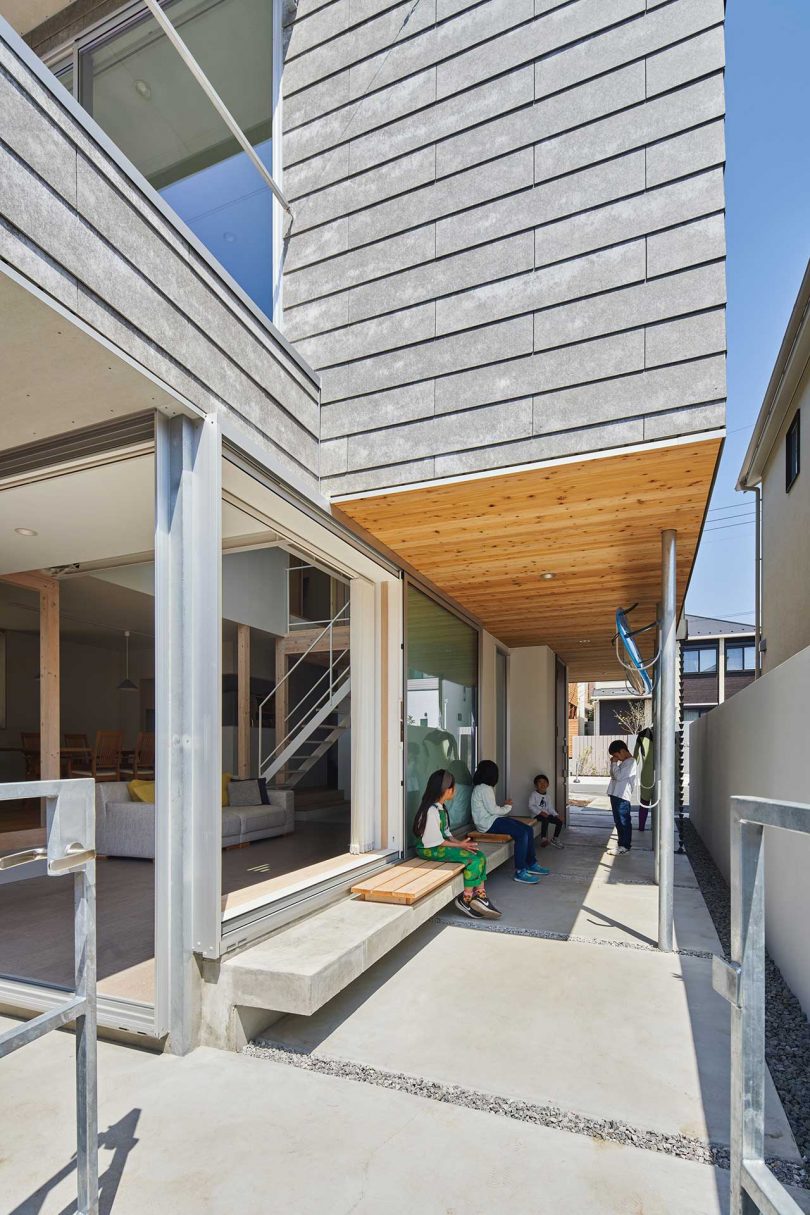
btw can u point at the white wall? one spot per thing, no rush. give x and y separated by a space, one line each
786 544
531 709
756 743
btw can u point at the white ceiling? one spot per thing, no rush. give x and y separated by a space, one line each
96 514
57 378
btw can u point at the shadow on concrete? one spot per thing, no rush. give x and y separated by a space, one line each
119 1139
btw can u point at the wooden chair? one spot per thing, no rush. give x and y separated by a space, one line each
31 747
84 760
105 759
142 766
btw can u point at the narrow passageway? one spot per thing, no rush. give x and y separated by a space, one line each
554 1062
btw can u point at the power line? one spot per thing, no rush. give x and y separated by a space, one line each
727 526
717 510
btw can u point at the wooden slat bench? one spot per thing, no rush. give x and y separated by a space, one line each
490 837
407 882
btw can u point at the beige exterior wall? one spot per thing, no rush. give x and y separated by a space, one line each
531 708
786 543
756 744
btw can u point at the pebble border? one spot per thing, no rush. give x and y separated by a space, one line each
542 934
682 1147
787 1029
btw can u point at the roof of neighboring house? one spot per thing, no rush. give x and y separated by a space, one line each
710 626
782 387
612 691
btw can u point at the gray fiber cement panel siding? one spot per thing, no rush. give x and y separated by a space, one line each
81 226
508 240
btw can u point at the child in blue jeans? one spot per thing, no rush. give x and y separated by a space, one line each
623 773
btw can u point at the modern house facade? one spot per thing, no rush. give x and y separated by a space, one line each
358 357
717 661
756 743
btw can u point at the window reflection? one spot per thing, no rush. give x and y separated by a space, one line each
442 702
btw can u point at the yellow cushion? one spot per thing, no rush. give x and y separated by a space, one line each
226 780
142 791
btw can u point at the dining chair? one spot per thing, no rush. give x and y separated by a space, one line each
142 766
30 742
105 759
74 741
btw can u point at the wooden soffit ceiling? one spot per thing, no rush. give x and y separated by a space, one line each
595 524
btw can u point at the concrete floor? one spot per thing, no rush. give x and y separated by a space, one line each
215 1134
596 1028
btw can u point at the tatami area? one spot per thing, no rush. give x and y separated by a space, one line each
558 1063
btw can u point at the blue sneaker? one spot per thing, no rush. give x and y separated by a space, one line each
527 877
535 868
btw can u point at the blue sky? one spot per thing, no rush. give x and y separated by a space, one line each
768 233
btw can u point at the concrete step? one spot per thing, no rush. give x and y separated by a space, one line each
303 965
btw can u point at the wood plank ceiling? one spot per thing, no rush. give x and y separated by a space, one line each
594 524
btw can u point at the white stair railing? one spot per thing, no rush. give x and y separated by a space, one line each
297 725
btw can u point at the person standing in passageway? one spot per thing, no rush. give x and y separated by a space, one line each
623 773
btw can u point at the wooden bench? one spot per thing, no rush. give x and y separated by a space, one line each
407 882
490 837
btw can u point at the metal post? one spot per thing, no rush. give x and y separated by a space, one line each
84 898
666 806
748 1012
657 747
758 583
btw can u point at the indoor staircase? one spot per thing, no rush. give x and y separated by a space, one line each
306 730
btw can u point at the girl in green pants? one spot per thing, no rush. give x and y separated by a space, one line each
432 829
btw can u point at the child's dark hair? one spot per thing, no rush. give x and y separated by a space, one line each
617 746
541 776
438 783
486 773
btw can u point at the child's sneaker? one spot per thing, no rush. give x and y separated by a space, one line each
485 908
467 908
557 844
535 868
525 876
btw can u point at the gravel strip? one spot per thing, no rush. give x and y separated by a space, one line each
491 926
683 1147
787 1030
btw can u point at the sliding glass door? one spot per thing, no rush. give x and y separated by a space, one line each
442 702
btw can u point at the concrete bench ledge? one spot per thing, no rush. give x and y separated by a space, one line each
300 967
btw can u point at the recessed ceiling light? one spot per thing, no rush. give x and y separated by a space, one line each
585 641
25 531
548 575
143 89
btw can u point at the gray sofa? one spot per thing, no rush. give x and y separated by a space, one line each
125 827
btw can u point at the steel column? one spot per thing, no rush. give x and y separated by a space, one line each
656 835
188 701
667 679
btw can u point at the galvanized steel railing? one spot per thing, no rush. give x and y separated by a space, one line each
754 1188
70 849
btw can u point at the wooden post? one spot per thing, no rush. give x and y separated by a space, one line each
243 701
49 682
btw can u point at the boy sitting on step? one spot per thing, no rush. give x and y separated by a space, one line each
541 807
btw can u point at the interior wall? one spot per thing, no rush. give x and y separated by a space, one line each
756 744
531 711
90 699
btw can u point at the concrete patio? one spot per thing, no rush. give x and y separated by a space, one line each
533 1030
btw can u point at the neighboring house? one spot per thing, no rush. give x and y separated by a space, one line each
611 703
756 744
717 660
463 354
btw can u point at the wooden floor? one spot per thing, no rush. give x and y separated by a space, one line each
36 942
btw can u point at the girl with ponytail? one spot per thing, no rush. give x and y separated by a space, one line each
431 827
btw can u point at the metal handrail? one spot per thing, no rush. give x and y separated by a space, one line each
283 727
70 849
742 982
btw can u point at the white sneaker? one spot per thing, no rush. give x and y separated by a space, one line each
622 851
557 844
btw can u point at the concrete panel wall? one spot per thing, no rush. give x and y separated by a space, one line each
786 543
756 743
508 241
532 744
80 224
